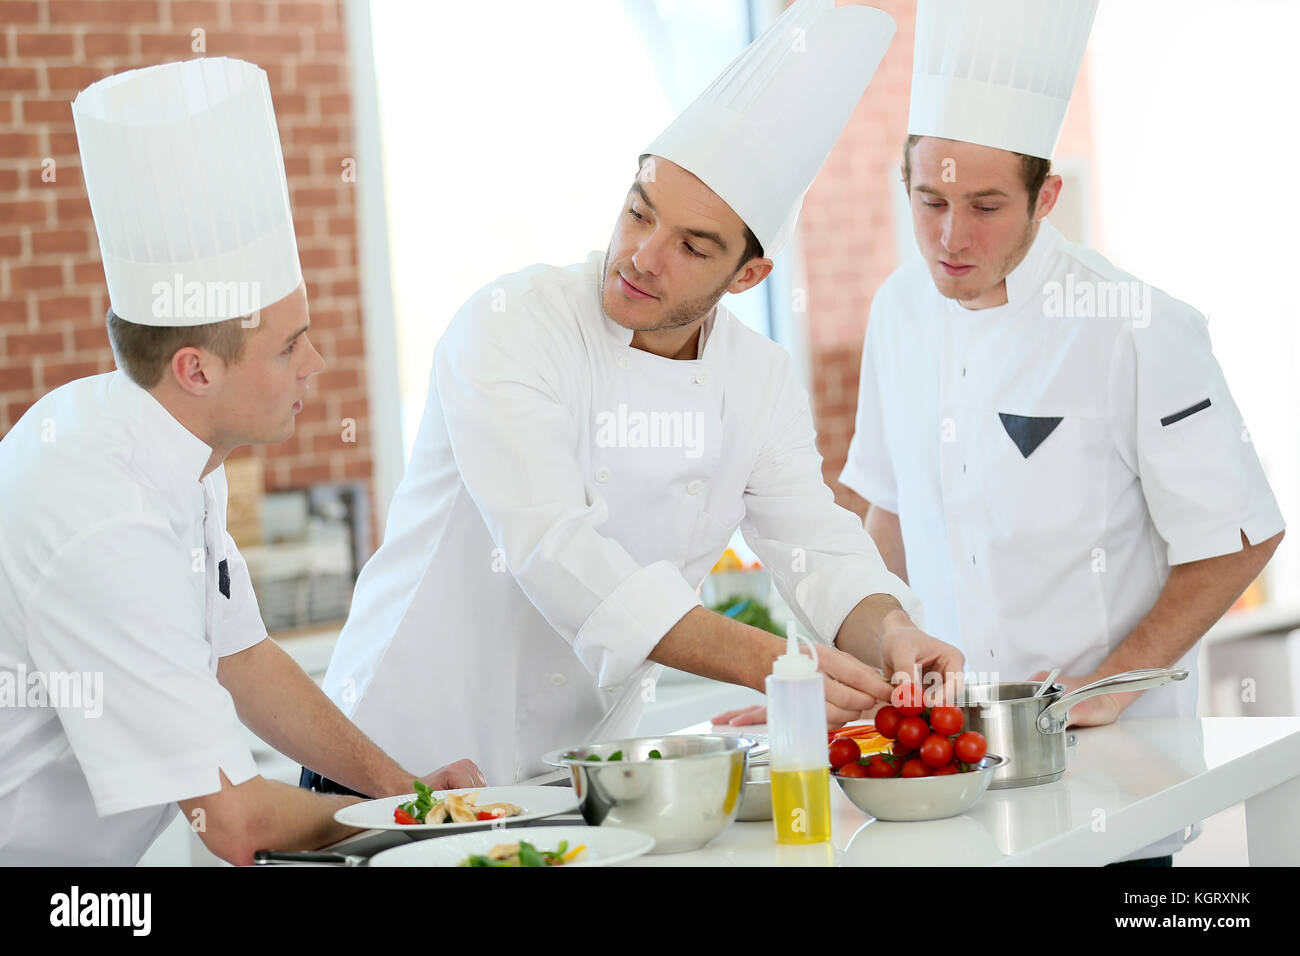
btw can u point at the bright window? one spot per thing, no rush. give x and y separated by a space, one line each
510 133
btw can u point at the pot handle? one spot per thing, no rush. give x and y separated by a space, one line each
1052 719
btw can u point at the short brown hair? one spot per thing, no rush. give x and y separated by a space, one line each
143 352
1034 171
753 248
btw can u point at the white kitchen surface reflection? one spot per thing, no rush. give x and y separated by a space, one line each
1127 785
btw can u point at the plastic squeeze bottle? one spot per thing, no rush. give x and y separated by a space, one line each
800 761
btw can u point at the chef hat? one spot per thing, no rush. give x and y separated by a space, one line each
997 72
760 132
183 167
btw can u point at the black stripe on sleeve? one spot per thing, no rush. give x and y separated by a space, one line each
1179 416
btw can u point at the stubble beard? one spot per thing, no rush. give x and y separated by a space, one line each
1004 267
681 314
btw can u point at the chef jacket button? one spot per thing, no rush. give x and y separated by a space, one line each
701 378
602 475
693 488
624 362
559 680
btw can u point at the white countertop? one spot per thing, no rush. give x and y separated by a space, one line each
1128 785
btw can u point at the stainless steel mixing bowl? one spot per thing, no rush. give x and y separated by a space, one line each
920 798
683 800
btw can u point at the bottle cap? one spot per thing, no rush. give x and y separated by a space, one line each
792 664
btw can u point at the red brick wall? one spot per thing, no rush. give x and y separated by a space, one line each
847 231
52 294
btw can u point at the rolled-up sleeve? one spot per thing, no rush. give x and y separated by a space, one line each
119 613
502 388
1183 435
821 557
242 625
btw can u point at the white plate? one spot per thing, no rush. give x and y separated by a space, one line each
604 845
538 802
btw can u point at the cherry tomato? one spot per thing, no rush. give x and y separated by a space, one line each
912 732
947 720
944 771
915 768
853 769
936 750
887 719
908 700
843 751
970 747
879 768
901 750
401 816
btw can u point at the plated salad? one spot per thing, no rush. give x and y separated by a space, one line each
452 808
523 854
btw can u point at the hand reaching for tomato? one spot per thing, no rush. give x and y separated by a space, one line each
909 651
853 690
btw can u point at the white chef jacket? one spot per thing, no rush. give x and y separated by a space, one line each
539 545
1048 468
114 561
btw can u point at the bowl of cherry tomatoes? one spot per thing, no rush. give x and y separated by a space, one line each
933 768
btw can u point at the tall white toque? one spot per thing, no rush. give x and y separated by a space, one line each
185 176
760 132
997 72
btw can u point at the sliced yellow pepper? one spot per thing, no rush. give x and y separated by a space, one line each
572 853
730 561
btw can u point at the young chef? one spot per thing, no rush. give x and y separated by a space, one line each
1063 479
131 647
593 436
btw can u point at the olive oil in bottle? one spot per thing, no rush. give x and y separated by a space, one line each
801 805
796 716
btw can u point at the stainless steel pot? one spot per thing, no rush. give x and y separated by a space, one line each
1030 731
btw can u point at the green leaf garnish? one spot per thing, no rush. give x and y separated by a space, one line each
528 855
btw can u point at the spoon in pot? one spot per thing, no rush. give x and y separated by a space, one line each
1047 682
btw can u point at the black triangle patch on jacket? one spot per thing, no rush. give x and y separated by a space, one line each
1028 432
223 578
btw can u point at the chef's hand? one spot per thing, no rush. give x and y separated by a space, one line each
462 773
908 653
755 714
853 691
1095 711
905 650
